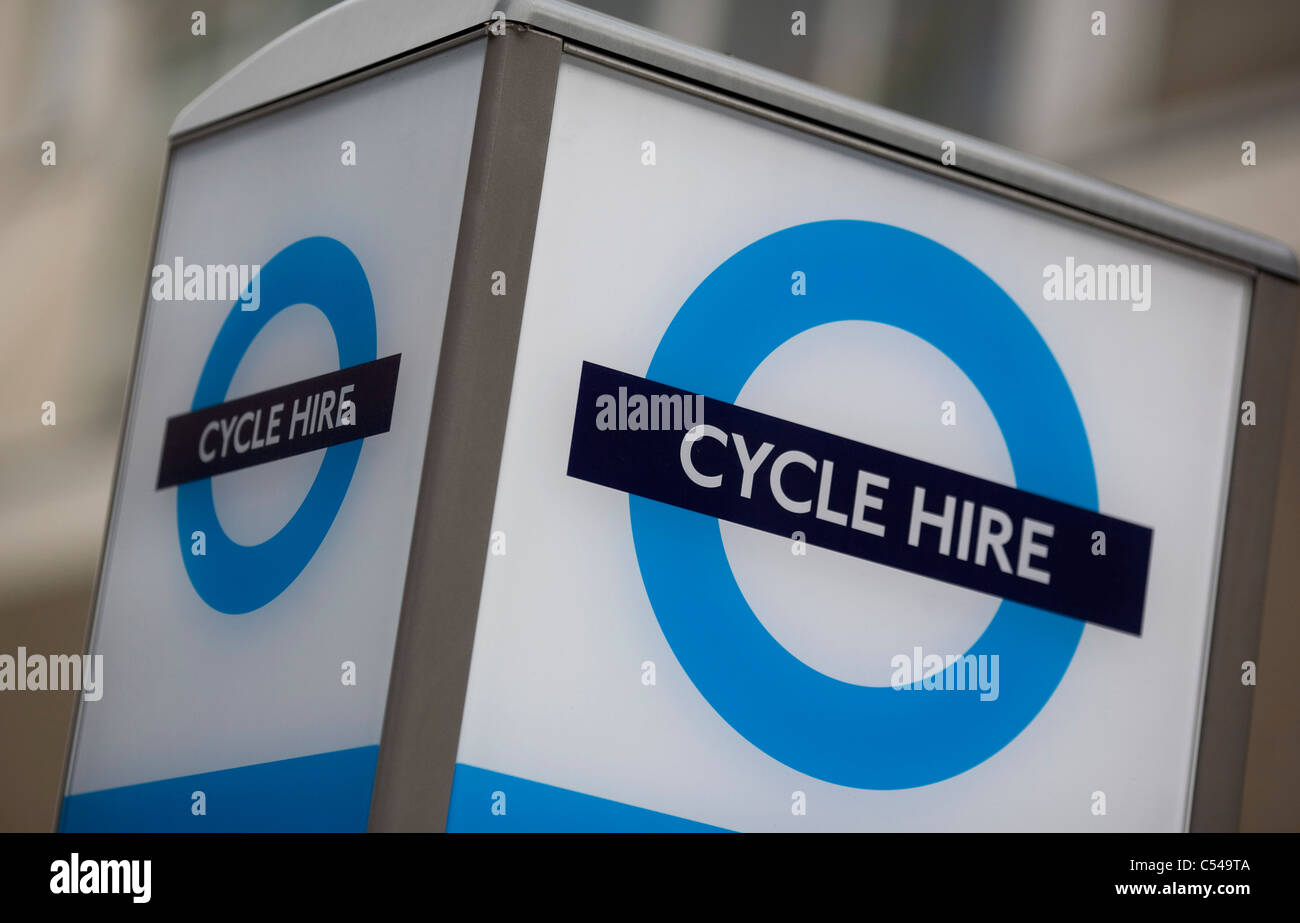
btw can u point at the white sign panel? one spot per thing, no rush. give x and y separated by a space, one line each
840 496
263 514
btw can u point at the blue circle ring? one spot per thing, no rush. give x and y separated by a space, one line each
870 737
235 578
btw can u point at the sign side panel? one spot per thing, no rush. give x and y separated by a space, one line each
246 620
675 239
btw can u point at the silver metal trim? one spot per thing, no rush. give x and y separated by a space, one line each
339 83
932 167
1223 738
359 33
341 40
467 427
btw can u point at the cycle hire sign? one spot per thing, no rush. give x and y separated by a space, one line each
828 514
262 522
1050 565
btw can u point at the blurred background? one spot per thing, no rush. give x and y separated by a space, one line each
1161 104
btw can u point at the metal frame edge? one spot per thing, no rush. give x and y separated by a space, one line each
1220 766
449 542
294 63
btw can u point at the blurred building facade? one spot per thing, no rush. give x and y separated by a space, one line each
1161 103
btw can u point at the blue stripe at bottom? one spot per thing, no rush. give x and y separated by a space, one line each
533 807
325 792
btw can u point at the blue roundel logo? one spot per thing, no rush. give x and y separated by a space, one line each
235 578
860 736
